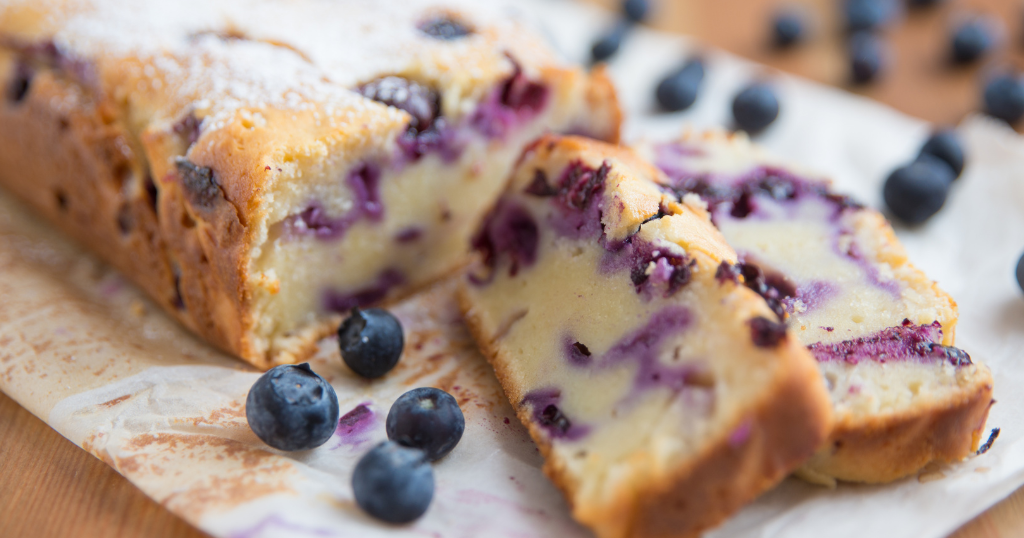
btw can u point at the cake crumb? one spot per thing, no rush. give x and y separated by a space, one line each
137 308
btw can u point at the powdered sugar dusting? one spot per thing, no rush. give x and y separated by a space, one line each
218 56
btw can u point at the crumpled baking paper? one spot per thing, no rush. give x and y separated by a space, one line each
82 349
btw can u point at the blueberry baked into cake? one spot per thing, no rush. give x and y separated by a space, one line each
662 392
259 167
881 331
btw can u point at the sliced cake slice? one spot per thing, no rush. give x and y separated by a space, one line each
881 331
261 167
663 394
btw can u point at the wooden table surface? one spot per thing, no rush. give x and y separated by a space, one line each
50 488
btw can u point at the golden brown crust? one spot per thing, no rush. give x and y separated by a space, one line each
189 250
889 447
791 421
81 169
602 97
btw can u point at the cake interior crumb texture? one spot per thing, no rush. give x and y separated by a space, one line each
664 394
882 332
261 167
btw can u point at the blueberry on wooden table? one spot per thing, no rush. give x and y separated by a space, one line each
636 10
917 191
371 342
867 57
393 483
290 407
945 144
608 43
1004 98
679 89
428 419
755 107
1020 273
860 15
970 41
787 28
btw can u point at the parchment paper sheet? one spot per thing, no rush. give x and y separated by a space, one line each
86 352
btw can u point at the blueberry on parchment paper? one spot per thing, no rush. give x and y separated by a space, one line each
428 419
290 407
371 342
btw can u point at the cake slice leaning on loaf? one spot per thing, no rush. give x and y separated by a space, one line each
882 332
260 167
662 396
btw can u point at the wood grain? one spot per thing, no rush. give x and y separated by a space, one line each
51 488
920 79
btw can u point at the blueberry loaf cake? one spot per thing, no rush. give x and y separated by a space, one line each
881 331
663 394
260 166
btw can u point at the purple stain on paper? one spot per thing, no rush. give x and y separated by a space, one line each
354 426
277 523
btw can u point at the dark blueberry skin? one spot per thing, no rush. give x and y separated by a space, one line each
867 57
1020 273
861 15
635 10
428 419
945 145
371 342
787 28
393 483
292 408
421 102
444 28
608 44
1004 98
755 108
917 191
679 89
970 42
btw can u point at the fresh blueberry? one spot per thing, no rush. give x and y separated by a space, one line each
421 102
371 342
1004 98
679 89
755 108
635 10
292 408
428 419
788 28
393 483
608 44
444 28
970 41
917 191
1020 273
863 15
945 145
867 57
